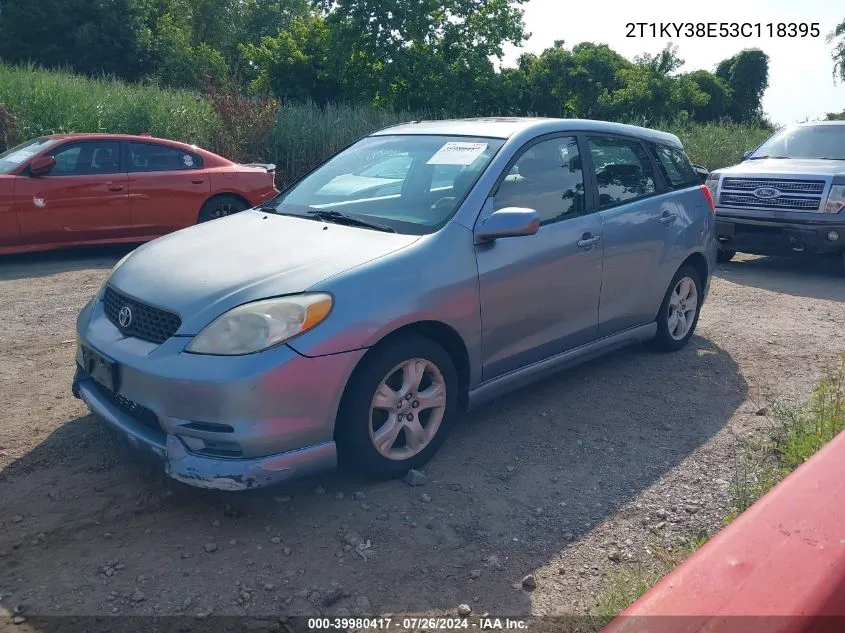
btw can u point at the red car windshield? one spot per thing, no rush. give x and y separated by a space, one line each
13 158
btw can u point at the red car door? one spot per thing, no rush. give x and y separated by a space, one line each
83 198
167 187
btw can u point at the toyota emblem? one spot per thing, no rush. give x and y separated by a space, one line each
766 193
124 317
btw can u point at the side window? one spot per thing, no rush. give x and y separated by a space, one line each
153 157
676 167
90 157
623 170
547 177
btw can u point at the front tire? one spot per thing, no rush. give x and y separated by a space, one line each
397 408
679 311
220 207
723 256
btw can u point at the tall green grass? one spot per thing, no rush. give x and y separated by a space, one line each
47 102
301 136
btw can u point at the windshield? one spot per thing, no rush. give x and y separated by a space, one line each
806 141
13 158
411 184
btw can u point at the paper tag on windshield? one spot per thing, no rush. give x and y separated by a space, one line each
457 154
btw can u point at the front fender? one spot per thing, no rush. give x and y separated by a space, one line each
436 279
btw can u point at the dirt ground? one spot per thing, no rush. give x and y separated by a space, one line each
561 480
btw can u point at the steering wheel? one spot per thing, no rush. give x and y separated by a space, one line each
444 202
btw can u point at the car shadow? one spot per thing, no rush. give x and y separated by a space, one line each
519 481
812 277
43 264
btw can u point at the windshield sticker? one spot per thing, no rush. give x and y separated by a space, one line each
457 154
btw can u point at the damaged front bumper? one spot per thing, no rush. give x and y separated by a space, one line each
199 470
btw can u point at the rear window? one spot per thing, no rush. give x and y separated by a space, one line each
676 167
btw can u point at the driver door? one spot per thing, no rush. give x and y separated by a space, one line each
84 198
540 293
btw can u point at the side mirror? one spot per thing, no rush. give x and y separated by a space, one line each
702 172
745 155
42 165
509 222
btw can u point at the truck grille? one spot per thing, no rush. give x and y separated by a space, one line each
790 195
147 322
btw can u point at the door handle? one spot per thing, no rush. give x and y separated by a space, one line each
115 187
198 181
668 218
588 240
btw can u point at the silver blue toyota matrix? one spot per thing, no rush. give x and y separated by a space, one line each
425 269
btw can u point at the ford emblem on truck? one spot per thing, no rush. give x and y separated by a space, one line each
766 193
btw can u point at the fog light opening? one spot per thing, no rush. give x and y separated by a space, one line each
833 236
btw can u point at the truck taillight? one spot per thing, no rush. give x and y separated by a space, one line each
706 191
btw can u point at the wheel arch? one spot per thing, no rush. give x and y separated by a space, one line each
442 334
223 194
699 262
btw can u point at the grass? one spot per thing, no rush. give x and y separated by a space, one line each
796 434
47 102
628 581
297 137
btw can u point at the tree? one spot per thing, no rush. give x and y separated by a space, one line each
837 38
718 93
87 36
296 63
393 49
747 76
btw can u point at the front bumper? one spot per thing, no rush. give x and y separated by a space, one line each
779 237
228 423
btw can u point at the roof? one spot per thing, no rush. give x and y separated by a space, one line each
129 137
506 127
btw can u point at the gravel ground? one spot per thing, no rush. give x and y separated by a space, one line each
560 481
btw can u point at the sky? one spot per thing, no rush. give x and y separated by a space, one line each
801 82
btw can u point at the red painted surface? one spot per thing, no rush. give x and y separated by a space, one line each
782 562
128 205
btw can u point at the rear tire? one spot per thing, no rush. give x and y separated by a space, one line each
679 311
220 207
398 408
723 256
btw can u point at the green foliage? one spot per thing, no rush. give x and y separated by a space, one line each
747 76
416 55
46 102
837 38
90 36
797 434
626 582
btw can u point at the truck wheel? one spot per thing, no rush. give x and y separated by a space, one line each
723 256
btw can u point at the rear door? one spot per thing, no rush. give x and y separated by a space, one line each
84 197
643 231
167 187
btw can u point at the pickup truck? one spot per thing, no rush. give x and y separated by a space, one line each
786 197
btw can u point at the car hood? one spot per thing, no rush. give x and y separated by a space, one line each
795 167
202 271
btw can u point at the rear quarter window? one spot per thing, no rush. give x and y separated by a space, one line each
676 167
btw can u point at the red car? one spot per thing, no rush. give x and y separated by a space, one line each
74 189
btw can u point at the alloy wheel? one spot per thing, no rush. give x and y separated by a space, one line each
407 409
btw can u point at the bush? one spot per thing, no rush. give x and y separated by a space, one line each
294 136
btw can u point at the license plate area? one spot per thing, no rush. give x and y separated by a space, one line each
103 370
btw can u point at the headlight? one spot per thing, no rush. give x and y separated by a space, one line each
259 325
712 183
835 199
